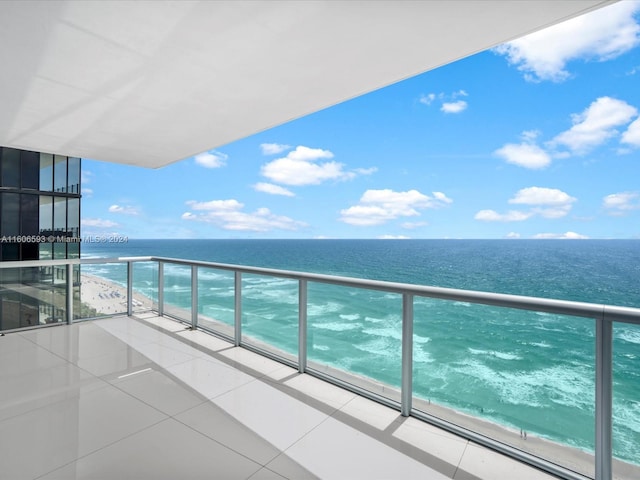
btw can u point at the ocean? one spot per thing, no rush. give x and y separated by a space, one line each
523 370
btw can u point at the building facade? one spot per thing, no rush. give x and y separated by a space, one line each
39 220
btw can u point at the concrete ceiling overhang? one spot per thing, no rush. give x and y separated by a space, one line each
149 83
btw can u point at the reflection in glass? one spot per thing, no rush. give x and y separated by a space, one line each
46 172
60 215
73 217
59 250
46 215
60 173
73 182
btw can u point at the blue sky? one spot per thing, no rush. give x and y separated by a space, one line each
538 138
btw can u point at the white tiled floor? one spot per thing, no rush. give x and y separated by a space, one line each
147 399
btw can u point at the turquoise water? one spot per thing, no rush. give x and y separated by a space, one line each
524 370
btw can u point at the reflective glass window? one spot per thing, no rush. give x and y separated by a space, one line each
46 251
60 251
59 173
73 182
73 217
46 172
59 216
10 168
10 214
30 169
46 215
29 214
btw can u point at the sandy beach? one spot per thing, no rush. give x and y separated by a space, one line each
109 298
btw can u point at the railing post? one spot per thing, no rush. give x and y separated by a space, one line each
69 298
604 398
237 338
194 297
129 288
302 325
406 392
161 288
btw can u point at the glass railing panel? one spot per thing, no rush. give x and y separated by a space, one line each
102 290
145 286
177 291
32 296
355 335
270 314
626 401
526 379
216 300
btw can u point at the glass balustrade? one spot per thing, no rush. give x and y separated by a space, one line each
533 381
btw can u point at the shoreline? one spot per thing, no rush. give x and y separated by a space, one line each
101 294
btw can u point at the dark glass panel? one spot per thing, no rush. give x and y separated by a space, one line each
30 170
29 214
10 251
10 168
46 172
10 214
30 251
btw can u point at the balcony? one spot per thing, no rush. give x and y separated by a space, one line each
152 389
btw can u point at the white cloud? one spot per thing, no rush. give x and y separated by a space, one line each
380 206
273 189
545 202
273 148
512 235
618 204
632 135
125 210
216 205
427 99
541 196
561 236
98 222
449 102
596 124
525 155
600 35
211 159
454 107
228 214
493 216
301 167
87 192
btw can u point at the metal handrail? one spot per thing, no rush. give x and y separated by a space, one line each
604 316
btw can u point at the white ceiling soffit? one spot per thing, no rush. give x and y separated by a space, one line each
149 83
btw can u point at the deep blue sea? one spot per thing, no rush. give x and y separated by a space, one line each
524 370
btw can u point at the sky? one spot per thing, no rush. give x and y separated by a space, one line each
536 138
